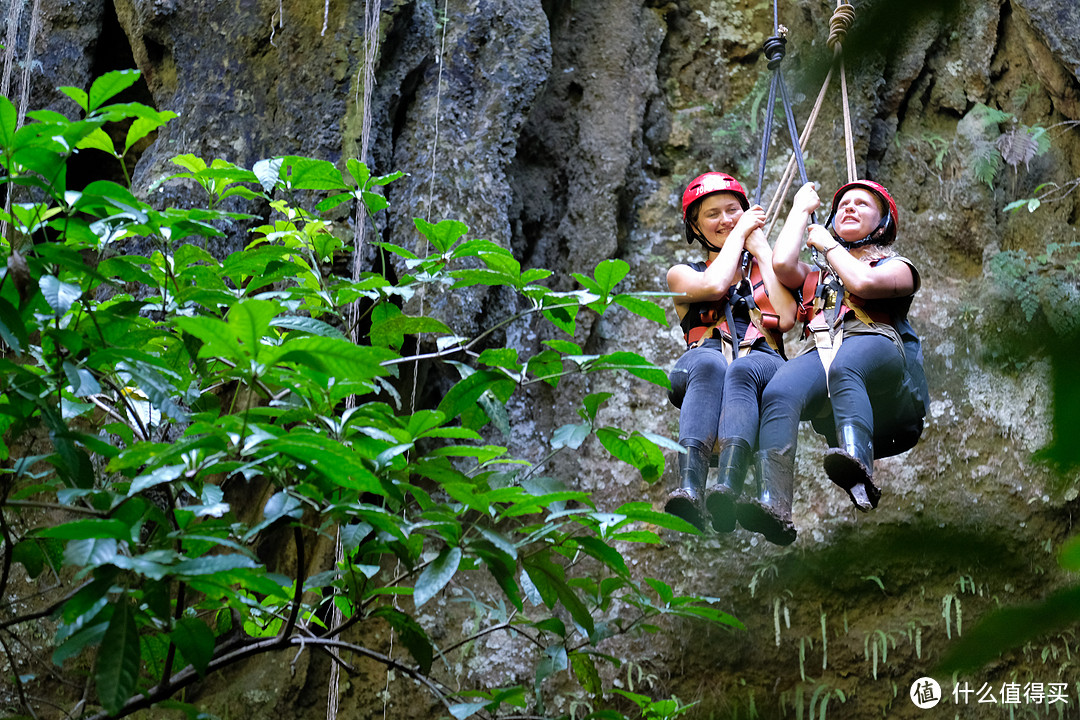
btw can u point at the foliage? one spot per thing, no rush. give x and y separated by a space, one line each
1043 290
1011 627
146 397
992 149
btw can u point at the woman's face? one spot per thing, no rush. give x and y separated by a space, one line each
717 216
857 214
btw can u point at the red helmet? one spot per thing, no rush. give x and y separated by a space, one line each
709 183
886 230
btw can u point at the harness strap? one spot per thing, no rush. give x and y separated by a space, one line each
831 303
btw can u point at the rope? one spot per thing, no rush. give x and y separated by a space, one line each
15 8
839 24
371 52
775 49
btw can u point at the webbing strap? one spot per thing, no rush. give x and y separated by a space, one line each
775 48
839 23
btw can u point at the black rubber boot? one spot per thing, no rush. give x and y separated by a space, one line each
721 496
686 501
769 512
851 466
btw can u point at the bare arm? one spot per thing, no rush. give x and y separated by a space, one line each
782 300
785 257
885 280
693 286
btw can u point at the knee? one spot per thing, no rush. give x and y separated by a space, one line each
711 370
678 378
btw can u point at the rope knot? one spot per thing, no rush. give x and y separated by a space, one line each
839 23
775 48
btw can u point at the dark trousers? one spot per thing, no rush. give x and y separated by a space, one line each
744 384
866 371
703 383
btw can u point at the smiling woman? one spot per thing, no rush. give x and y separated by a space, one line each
732 311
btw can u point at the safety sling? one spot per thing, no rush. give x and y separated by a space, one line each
717 319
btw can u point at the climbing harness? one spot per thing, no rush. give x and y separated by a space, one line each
717 319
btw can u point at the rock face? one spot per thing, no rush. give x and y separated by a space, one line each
566 132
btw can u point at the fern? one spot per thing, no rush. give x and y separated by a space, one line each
987 116
1017 145
986 163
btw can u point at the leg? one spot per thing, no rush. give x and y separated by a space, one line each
743 384
697 388
866 368
795 391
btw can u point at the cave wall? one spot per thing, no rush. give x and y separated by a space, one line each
566 132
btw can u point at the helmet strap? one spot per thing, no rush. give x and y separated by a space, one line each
872 238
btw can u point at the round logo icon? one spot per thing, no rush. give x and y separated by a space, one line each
925 693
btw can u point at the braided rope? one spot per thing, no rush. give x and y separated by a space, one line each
840 22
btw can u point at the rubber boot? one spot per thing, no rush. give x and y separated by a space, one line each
721 496
769 511
686 501
851 466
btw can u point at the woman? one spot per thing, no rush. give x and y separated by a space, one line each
733 311
856 309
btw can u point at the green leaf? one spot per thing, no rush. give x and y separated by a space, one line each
609 273
143 126
591 405
389 330
213 564
249 322
571 436
635 450
90 552
550 580
160 475
109 85
442 235
645 308
29 553
411 634
337 357
308 325
118 659
336 462
1069 556
88 529
501 357
98 140
603 552
217 337
310 174
585 671
546 365
195 641
9 118
561 315
632 363
60 295
436 575
467 391
554 661
12 327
